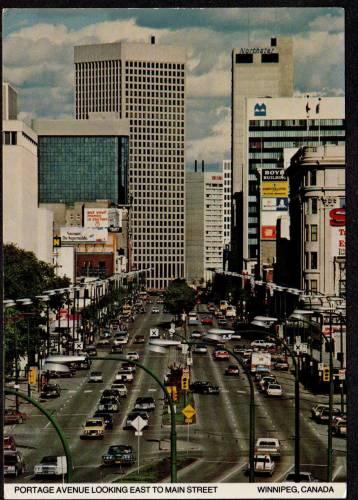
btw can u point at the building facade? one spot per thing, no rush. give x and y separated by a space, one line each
204 225
227 201
24 223
9 102
317 219
256 72
277 127
145 83
83 161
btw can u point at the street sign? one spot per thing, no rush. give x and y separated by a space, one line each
154 332
304 348
297 348
342 374
188 420
320 366
56 241
138 423
78 346
188 411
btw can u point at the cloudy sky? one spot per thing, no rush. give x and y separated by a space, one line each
38 56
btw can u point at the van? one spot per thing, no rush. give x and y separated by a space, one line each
268 446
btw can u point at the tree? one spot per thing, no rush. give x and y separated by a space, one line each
179 297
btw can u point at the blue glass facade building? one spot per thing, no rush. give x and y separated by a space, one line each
83 168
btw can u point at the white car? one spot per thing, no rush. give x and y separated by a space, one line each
263 464
200 348
122 339
268 446
132 356
155 310
95 377
121 388
124 377
274 390
261 343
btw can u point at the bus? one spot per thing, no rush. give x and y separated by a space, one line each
80 362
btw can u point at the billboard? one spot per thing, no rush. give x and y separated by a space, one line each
96 217
268 204
73 234
274 189
268 232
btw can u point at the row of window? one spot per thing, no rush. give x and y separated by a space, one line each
311 260
311 232
249 58
297 123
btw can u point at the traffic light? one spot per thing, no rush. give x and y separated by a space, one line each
325 374
174 393
185 383
31 376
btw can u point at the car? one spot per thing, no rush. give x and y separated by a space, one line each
91 350
232 370
108 404
139 339
121 388
50 391
132 356
261 344
122 376
281 365
144 403
204 387
106 334
160 300
14 463
93 429
121 339
51 465
274 390
117 349
12 416
9 443
132 416
315 410
109 393
263 464
323 415
220 354
103 341
195 334
268 446
222 322
238 349
265 381
95 377
128 367
200 349
206 320
304 477
155 310
107 417
339 428
119 454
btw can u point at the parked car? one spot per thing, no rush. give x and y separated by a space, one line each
107 417
14 464
9 443
95 377
12 416
93 429
274 390
339 428
268 446
119 454
232 370
133 356
50 391
304 477
139 339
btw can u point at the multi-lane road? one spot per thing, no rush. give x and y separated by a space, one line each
218 441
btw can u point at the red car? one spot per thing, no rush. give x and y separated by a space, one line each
9 443
11 416
221 354
206 321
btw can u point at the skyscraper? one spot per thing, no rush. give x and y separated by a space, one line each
256 72
146 84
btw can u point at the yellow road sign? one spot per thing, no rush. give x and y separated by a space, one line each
188 411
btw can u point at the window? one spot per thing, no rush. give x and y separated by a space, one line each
314 206
314 286
244 58
269 58
314 229
313 178
313 260
306 232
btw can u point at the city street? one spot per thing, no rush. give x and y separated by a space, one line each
218 441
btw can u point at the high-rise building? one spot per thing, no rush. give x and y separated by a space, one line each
24 223
317 219
83 161
204 225
146 84
227 200
256 72
280 126
9 102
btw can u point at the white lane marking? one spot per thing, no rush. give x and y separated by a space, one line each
72 392
152 390
88 390
230 473
241 392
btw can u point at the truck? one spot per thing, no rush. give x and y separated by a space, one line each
51 466
260 359
119 454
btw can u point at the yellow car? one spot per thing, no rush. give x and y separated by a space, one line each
93 429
